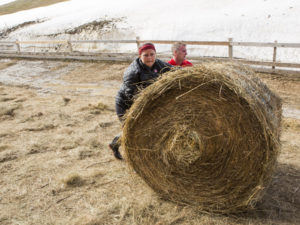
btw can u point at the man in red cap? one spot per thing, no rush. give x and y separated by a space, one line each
179 53
140 73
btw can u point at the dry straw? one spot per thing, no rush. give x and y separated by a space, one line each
206 136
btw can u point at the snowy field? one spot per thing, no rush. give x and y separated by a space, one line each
251 21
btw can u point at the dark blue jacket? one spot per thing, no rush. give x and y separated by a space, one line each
136 77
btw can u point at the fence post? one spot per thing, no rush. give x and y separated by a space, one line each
18 46
70 46
230 49
138 42
274 55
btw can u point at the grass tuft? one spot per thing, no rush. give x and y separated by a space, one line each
74 180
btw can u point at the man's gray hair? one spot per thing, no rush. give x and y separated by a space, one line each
176 46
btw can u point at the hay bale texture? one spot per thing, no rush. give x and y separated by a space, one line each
206 136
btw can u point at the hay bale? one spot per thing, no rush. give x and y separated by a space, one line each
206 136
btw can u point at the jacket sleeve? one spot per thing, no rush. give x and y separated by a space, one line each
131 79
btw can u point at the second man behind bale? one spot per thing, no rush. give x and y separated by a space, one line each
179 53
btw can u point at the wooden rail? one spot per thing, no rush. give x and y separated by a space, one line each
69 53
267 44
223 43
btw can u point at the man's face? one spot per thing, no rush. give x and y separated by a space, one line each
181 53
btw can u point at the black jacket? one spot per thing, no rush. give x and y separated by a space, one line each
137 76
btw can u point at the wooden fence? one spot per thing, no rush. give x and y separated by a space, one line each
69 53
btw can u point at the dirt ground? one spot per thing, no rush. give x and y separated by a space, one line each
57 119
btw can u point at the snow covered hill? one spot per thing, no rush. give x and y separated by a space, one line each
200 20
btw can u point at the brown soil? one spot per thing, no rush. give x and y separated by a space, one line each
56 167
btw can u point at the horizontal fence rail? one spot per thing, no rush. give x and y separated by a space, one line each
266 44
68 52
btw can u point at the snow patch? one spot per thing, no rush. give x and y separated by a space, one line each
201 20
3 2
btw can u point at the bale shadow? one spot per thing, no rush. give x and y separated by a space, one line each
281 202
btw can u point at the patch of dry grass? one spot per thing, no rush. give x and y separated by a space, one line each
74 180
7 156
60 66
9 110
291 123
99 106
4 65
95 72
36 165
20 5
95 108
4 147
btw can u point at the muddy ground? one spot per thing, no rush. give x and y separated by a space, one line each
57 119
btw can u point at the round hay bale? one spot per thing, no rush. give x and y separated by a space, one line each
206 136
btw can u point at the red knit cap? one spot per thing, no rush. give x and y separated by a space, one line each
145 47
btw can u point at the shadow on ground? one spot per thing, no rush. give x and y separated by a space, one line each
281 202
